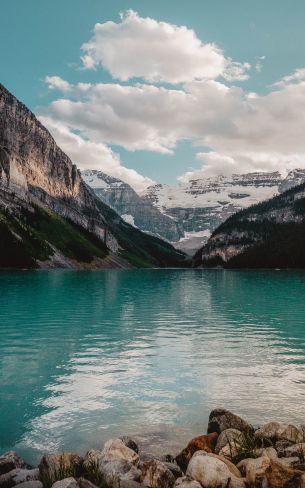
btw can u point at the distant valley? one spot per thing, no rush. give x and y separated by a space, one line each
187 214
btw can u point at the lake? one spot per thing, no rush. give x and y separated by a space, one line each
85 356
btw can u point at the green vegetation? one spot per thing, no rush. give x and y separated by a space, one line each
31 236
245 446
269 243
139 248
59 473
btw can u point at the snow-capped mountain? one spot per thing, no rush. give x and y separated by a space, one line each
200 205
188 213
133 208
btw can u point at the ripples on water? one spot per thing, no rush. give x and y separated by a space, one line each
88 355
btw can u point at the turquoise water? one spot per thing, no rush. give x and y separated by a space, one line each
89 355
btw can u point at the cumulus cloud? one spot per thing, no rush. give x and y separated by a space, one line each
243 130
92 155
140 47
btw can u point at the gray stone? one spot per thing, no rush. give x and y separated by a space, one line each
10 460
279 431
17 476
156 474
227 436
53 465
129 442
66 483
186 482
31 484
221 419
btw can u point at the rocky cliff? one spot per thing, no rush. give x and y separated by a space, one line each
267 235
48 215
132 207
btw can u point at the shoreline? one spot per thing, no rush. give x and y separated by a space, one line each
232 454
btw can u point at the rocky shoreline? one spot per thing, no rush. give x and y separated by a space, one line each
233 454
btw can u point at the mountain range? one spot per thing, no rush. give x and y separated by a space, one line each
270 234
187 214
49 217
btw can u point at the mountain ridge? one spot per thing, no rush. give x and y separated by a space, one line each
44 203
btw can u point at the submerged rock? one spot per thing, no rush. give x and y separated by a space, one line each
221 419
211 472
156 474
202 443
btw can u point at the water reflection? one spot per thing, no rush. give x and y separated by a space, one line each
85 356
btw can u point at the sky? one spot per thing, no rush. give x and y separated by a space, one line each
162 91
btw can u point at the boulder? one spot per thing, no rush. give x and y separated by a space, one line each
174 468
211 472
31 484
294 450
129 442
278 475
10 460
234 470
186 482
53 467
18 476
116 449
114 464
221 419
277 431
66 483
280 447
254 470
114 472
228 436
268 452
156 474
202 443
84 483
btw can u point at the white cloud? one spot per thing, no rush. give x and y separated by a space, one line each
57 83
140 47
244 130
297 76
91 155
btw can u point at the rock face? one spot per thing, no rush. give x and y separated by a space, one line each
221 419
38 183
133 208
267 235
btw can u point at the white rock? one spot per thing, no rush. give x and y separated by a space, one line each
210 472
115 449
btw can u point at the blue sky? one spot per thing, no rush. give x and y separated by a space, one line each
40 38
